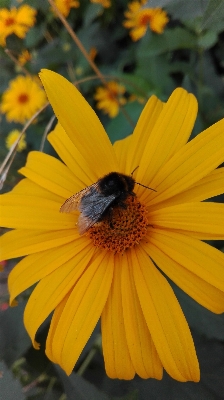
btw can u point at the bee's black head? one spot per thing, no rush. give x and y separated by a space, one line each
115 183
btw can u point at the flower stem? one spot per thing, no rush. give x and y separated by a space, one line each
77 42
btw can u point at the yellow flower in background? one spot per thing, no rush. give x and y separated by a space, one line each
113 272
140 17
65 6
110 98
17 21
12 138
24 57
104 3
22 99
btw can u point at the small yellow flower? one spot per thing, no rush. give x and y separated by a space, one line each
65 6
104 3
22 99
24 57
12 138
17 21
110 98
119 274
140 17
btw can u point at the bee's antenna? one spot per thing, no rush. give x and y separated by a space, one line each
134 170
154 190
141 183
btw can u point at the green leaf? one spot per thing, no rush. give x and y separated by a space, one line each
207 40
4 3
170 40
199 318
14 340
92 12
34 35
10 388
213 14
130 396
181 9
120 127
38 4
135 84
78 388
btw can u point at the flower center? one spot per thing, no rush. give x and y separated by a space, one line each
9 21
124 228
112 95
23 98
145 19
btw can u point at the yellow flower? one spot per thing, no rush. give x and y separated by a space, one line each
12 138
24 57
65 6
22 99
104 3
113 271
17 21
110 98
140 17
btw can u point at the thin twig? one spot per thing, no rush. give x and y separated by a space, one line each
47 129
86 55
12 152
14 59
77 41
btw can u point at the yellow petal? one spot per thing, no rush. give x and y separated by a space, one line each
142 350
117 359
28 212
198 217
53 326
202 292
52 289
129 151
36 266
169 134
32 241
190 164
165 320
80 122
72 157
121 148
198 257
28 188
81 312
209 186
51 174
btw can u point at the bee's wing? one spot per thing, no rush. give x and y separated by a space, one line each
92 210
72 203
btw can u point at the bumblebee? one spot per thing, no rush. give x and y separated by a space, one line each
97 201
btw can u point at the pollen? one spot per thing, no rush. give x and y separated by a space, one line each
122 229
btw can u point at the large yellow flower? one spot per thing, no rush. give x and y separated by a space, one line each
17 21
23 98
114 272
110 98
139 17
